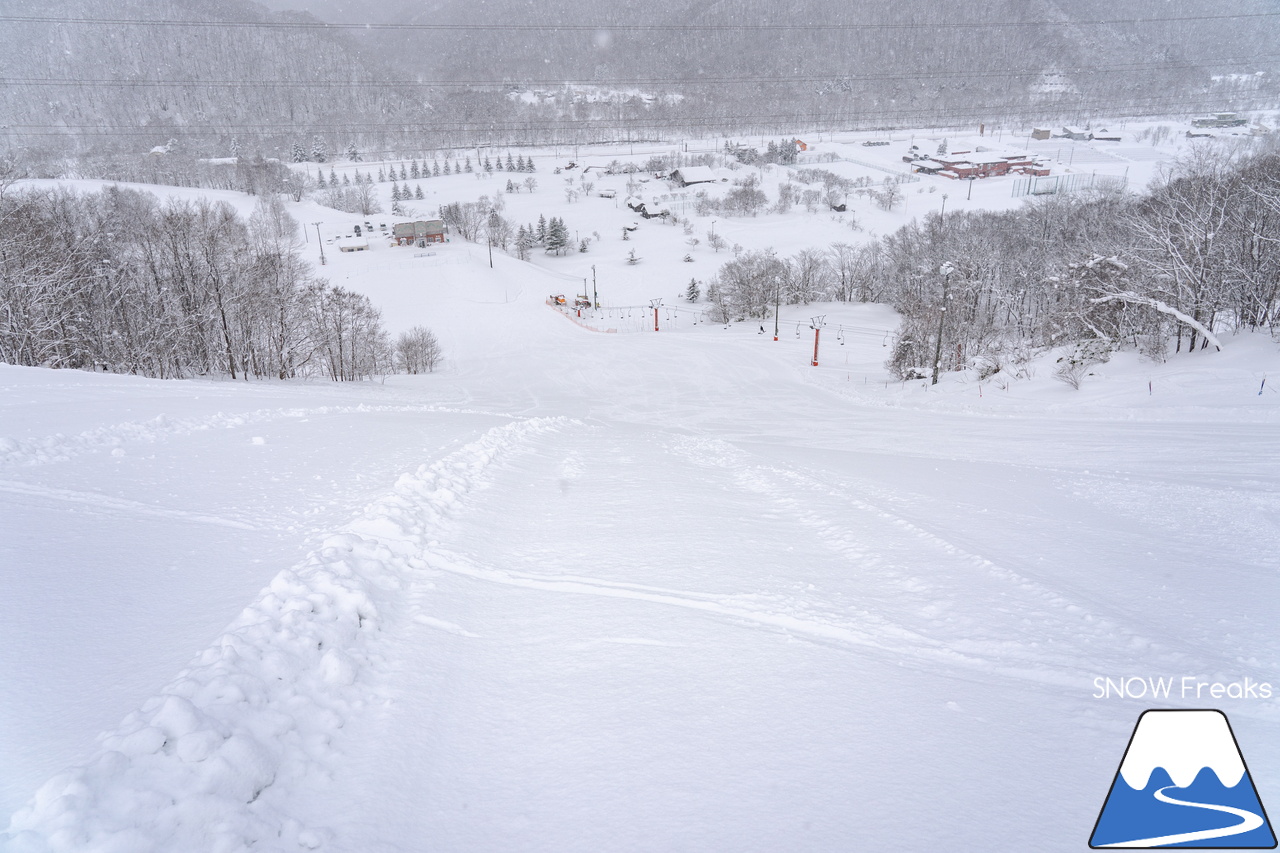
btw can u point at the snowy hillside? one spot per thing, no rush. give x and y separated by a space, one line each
590 586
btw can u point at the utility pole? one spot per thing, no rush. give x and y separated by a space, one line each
946 269
489 239
817 323
320 241
777 303
942 217
595 295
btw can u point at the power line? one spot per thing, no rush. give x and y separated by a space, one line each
511 82
808 120
619 27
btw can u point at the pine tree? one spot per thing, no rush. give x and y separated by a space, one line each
346 181
397 209
235 148
413 170
333 177
319 152
692 292
299 153
511 187
435 168
942 147
382 176
447 170
557 235
488 166
467 168
417 192
352 154
511 167
520 163
528 165
524 243
541 233
395 191
320 181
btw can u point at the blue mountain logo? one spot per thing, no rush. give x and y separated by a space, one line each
1183 783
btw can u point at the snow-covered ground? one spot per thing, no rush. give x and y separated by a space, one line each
632 591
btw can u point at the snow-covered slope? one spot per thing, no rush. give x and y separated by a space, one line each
630 591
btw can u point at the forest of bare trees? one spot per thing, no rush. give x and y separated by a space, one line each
1173 270
118 281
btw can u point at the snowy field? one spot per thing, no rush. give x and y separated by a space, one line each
635 591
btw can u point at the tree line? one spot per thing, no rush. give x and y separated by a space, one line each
119 281
1171 270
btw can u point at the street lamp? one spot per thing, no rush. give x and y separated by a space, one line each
945 271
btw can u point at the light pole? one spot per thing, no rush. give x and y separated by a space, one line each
595 295
946 269
320 241
942 217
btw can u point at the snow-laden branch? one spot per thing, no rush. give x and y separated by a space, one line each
1163 308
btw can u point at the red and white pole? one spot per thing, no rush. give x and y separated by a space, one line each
655 319
816 332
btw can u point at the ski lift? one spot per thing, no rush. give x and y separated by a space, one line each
840 335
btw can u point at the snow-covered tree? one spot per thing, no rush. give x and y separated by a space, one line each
319 151
299 154
353 154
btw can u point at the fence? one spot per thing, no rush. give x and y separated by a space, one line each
1053 184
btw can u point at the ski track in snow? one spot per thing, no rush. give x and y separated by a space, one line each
123 505
1050 628
209 763
60 448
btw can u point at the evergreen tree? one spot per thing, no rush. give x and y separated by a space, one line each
235 148
692 292
352 154
404 173
942 147
333 177
524 243
447 170
320 181
511 187
520 163
395 191
382 175
435 168
499 163
413 170
319 152
528 165
417 192
541 233
299 153
511 166
397 209
488 166
467 168
346 181
559 236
